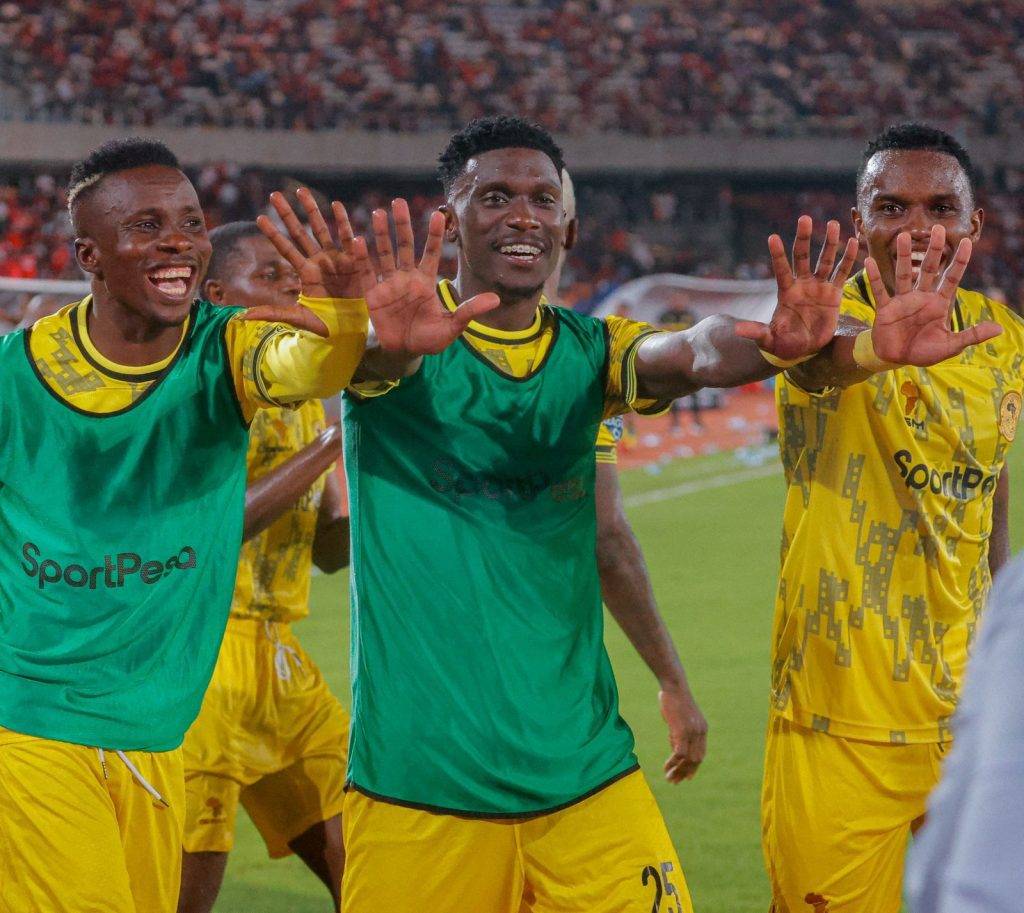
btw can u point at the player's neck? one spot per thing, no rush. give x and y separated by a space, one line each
125 336
516 312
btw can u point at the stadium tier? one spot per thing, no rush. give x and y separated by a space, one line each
648 67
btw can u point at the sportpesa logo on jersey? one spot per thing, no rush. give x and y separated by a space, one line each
112 574
960 482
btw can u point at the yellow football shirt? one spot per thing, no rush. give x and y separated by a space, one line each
268 360
888 512
274 567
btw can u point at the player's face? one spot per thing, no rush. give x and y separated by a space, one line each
257 276
912 190
506 214
145 239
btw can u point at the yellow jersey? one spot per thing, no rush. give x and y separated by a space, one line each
888 513
77 373
274 567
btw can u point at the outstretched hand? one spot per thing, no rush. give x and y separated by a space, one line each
407 314
326 268
912 327
805 317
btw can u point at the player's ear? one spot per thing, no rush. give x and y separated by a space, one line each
213 291
858 228
451 223
87 255
977 221
571 234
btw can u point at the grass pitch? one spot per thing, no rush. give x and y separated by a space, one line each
710 530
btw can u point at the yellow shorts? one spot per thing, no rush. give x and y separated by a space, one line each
271 735
836 815
609 853
77 834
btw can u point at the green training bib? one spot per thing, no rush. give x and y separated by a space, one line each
480 679
120 536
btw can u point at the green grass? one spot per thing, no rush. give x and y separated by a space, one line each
713 557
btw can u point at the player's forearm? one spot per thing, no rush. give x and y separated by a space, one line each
627 592
709 354
999 540
280 489
301 365
331 545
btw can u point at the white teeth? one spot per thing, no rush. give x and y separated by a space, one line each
172 272
522 250
917 257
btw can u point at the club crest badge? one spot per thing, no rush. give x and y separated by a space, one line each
1009 414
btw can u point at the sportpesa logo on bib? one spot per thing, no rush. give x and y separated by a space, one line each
113 573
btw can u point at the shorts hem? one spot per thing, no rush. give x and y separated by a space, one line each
505 816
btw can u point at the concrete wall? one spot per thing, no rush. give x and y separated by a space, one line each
358 152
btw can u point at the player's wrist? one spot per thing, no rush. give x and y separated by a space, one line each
784 363
865 356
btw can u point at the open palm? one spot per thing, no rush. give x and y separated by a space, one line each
807 310
407 314
912 327
327 268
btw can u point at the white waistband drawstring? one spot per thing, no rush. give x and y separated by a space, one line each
282 653
134 771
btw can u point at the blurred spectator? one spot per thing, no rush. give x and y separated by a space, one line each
655 67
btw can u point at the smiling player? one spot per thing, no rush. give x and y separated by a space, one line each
895 521
122 483
489 768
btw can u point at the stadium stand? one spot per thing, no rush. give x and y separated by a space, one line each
650 67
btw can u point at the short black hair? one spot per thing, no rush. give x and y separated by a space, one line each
486 134
113 156
914 136
224 239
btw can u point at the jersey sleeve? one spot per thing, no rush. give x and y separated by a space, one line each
273 364
609 433
621 387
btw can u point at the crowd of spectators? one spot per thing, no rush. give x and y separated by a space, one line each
629 228
649 67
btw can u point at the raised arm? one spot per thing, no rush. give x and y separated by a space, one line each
720 351
311 348
409 320
911 327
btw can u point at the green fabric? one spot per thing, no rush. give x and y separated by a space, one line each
480 679
121 537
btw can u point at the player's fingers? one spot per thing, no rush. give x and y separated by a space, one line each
845 267
430 262
904 266
827 257
403 234
878 290
972 336
281 244
296 230
929 270
956 269
315 218
780 263
294 315
342 226
382 243
760 333
475 307
802 247
362 264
